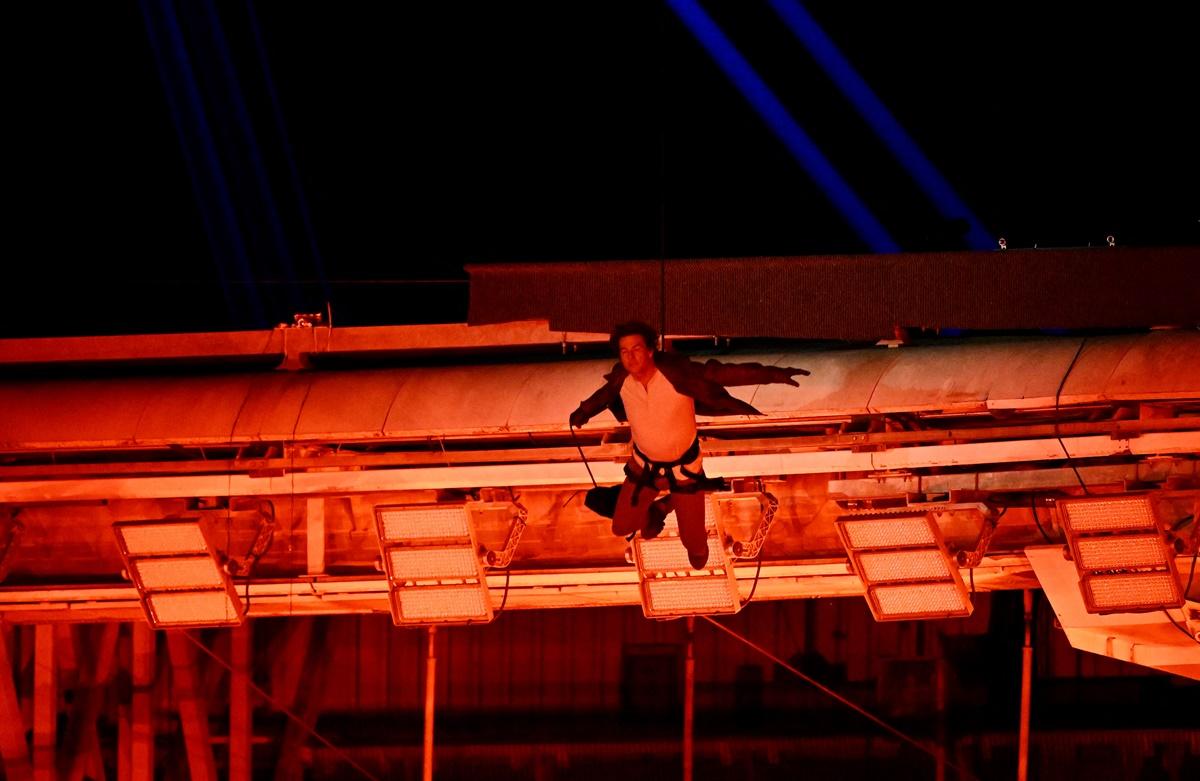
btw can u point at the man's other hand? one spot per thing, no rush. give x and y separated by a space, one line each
578 418
787 374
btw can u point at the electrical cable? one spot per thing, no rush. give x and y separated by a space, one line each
1033 509
280 706
921 746
1057 433
582 456
757 571
1181 628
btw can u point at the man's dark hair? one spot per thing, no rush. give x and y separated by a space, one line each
632 328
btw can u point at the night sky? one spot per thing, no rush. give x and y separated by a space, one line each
222 166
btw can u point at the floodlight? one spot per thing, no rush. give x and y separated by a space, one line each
669 585
433 567
405 523
1121 554
176 572
903 564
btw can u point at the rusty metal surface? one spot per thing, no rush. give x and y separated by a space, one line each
464 401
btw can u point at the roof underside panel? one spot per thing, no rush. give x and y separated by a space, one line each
464 401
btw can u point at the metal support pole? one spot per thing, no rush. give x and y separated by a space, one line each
241 761
1026 680
45 704
689 699
430 690
940 693
13 746
142 707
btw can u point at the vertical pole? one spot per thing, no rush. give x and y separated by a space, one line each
940 694
315 534
240 716
124 744
193 706
13 745
689 699
45 704
1026 681
430 690
141 754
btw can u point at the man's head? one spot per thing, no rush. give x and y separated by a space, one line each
634 343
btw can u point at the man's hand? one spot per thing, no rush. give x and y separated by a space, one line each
787 373
578 418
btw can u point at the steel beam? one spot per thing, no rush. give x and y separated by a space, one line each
193 707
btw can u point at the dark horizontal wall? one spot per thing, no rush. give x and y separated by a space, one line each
852 297
575 660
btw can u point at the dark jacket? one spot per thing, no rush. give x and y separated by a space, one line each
705 383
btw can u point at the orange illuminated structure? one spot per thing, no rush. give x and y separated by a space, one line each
435 575
1123 560
179 581
902 562
669 585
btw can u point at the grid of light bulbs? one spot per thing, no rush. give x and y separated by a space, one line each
434 572
1123 560
176 573
669 585
904 567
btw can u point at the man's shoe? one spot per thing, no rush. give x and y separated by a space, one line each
655 522
698 560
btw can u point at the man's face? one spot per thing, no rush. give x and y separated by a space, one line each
636 357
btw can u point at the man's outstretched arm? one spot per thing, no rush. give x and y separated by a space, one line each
593 405
730 374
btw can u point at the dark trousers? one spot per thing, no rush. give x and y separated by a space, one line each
631 517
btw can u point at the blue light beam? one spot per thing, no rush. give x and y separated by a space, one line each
872 110
781 123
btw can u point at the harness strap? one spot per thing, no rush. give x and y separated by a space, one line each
652 470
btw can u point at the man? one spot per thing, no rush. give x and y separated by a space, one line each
659 394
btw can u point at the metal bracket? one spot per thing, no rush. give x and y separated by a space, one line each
751 548
503 558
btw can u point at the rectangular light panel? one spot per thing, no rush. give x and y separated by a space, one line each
1086 516
450 604
431 562
919 600
888 532
1133 592
690 595
185 608
422 522
193 572
667 554
149 539
1121 552
891 566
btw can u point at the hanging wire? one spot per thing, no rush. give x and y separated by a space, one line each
757 571
583 457
281 707
1180 627
857 708
1057 397
1033 509
504 599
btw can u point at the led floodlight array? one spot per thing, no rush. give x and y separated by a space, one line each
1122 557
669 585
904 566
177 575
434 572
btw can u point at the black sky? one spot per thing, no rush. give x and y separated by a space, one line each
399 142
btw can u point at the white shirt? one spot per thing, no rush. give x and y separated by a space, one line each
663 420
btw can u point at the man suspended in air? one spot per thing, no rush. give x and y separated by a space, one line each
659 395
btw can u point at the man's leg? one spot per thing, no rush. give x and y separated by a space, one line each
689 513
629 517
